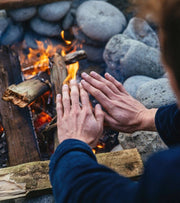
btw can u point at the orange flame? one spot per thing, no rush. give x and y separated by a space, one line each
42 119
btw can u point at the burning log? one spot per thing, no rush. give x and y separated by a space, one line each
27 91
12 4
24 179
22 146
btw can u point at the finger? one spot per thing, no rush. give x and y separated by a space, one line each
99 115
100 96
115 82
74 94
110 121
59 107
84 97
98 84
110 85
66 99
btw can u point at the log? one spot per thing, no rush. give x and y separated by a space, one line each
12 4
27 178
26 92
57 76
22 146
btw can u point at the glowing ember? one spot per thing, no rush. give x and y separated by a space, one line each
42 118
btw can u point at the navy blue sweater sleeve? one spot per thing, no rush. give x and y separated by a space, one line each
77 177
167 122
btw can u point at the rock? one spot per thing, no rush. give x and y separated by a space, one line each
126 57
134 82
146 142
94 54
82 38
45 28
100 20
12 34
4 22
156 93
3 13
139 29
22 14
54 11
41 199
117 148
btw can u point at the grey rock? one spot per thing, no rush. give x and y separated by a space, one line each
22 14
139 29
146 142
156 93
4 22
54 11
3 13
134 82
94 54
45 28
41 199
13 34
126 57
100 20
117 148
82 38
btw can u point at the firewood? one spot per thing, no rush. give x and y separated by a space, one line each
21 141
58 75
25 179
12 4
27 91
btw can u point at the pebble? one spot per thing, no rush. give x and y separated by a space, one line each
22 14
45 28
134 82
126 57
13 34
100 20
156 93
54 11
139 29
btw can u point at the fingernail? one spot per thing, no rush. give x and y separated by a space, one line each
84 74
80 85
65 86
93 73
108 74
58 95
73 82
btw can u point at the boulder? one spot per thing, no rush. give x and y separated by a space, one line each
100 20
54 11
156 93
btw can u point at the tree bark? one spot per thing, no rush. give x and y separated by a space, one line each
20 180
12 4
17 122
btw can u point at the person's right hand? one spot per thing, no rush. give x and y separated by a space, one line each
123 112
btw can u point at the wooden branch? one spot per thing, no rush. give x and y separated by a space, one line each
12 4
26 92
22 146
20 180
58 75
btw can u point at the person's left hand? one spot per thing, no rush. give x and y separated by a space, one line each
75 121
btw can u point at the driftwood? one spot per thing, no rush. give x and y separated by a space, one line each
58 75
27 178
12 4
16 122
27 91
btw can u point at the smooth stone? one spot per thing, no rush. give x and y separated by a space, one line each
156 93
13 34
45 28
3 13
126 57
22 14
54 11
139 29
117 148
94 54
146 142
100 20
4 22
82 38
134 82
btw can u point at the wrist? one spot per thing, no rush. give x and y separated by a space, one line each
148 120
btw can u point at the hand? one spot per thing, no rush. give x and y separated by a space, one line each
75 121
123 112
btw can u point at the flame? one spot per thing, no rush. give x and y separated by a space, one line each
37 59
72 68
42 119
